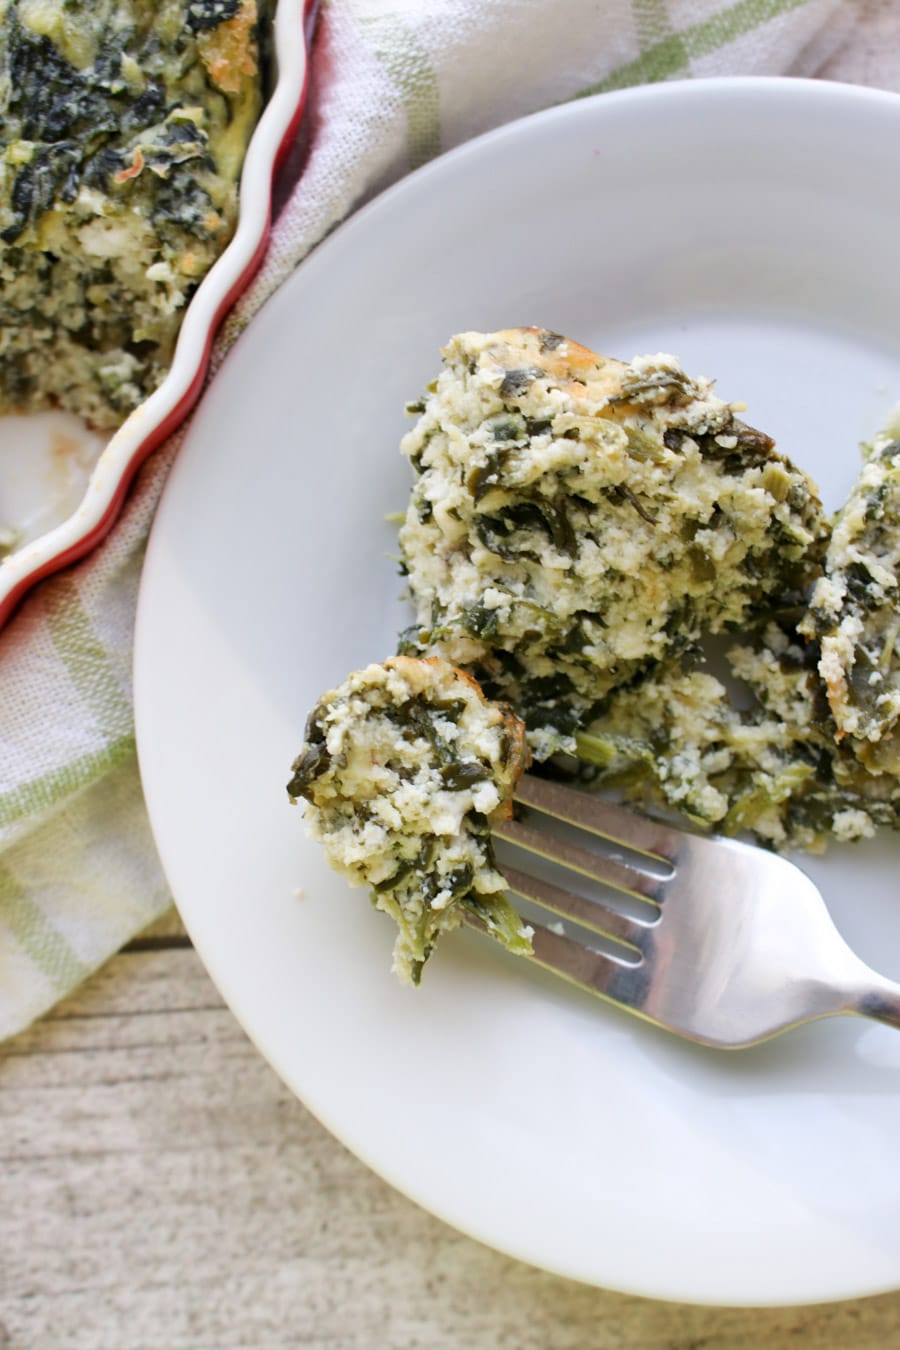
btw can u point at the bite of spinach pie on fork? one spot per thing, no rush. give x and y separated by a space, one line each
403 769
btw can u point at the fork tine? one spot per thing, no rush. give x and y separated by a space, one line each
613 977
624 983
592 813
598 972
589 913
619 875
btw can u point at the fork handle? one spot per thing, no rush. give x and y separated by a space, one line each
879 999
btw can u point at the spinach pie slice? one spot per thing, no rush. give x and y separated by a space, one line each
403 769
766 762
576 519
855 609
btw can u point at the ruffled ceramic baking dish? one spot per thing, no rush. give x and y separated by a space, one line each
61 486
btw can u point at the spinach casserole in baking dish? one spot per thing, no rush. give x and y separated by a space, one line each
579 529
124 129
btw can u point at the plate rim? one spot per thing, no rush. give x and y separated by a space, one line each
385 202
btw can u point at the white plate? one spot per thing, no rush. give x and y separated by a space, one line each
62 485
751 227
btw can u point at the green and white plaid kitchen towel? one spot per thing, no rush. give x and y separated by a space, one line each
395 82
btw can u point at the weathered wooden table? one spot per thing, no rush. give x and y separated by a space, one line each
161 1188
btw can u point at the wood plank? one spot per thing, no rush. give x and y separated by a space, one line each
167 930
871 54
160 1187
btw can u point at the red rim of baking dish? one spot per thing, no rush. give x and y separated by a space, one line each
294 24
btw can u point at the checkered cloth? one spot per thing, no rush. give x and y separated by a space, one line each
395 82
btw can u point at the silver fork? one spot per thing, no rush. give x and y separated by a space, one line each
732 944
